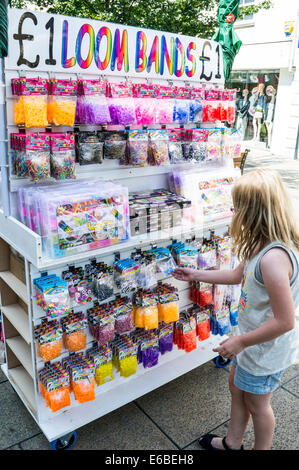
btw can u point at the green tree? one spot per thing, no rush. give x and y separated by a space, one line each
189 17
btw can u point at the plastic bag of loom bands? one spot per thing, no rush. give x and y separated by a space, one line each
90 148
205 294
146 275
195 148
115 144
92 106
232 143
138 144
104 285
207 257
49 340
158 147
62 102
121 103
175 145
125 275
63 165
214 145
34 92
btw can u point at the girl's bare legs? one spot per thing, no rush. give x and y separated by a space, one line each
239 417
263 419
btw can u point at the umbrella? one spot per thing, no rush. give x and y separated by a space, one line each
227 14
3 28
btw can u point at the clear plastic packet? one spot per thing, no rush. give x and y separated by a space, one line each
37 147
168 303
138 143
207 256
52 295
35 111
81 370
124 317
158 147
214 151
195 147
92 105
90 148
31 106
103 283
115 144
145 103
206 294
48 337
62 102
175 146
197 96
232 143
54 385
165 104
74 331
121 103
185 254
63 156
165 338
125 275
102 358
146 275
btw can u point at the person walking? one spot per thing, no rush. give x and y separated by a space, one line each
265 344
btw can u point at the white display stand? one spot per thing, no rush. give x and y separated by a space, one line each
20 313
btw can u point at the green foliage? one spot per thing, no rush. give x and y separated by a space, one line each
189 17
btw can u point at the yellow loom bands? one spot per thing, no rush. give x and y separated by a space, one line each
35 111
104 373
62 112
19 114
128 365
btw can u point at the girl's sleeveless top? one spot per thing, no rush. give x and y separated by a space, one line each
254 310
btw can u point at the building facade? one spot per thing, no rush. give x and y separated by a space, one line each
266 74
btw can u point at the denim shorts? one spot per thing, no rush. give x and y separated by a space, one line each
256 384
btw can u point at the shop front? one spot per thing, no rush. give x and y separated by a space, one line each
256 103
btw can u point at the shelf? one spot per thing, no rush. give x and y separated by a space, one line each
23 385
29 244
19 319
22 351
15 284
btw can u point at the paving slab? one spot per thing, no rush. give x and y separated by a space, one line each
190 405
127 428
293 387
286 436
16 422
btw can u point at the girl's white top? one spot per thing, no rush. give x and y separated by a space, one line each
254 310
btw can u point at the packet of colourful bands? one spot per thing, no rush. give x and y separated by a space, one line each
92 106
175 145
165 338
49 339
158 147
124 350
101 322
125 275
37 148
185 255
146 275
63 156
146 309
121 103
213 145
103 284
185 332
207 257
74 334
90 148
79 286
148 347
195 147
102 359
196 105
202 316
115 144
145 103
206 296
62 102
124 317
54 384
138 147
81 370
223 251
52 295
164 261
168 303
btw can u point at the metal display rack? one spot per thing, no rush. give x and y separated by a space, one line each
22 260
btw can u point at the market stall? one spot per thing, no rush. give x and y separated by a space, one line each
117 167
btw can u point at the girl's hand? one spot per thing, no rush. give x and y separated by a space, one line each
230 347
185 274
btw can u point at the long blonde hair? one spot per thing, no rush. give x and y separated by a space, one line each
263 213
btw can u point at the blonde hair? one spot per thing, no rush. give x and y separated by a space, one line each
263 213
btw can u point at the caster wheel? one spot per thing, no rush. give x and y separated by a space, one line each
64 442
221 361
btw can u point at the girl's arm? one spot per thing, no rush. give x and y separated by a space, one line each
276 268
217 276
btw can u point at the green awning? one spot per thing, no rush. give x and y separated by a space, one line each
3 29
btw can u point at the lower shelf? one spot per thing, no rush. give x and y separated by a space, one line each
23 385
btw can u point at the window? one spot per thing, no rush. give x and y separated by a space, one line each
244 3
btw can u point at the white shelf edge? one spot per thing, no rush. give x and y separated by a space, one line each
22 351
19 319
15 284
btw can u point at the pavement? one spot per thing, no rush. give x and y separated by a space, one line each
173 416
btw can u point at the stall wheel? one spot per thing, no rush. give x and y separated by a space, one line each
221 361
65 442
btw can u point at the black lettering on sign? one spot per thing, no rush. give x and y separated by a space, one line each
218 74
25 37
50 26
205 59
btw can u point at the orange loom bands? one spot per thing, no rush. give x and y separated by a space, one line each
62 112
138 317
150 316
59 398
35 111
168 312
84 389
75 341
19 114
49 351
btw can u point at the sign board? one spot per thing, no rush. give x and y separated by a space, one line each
54 43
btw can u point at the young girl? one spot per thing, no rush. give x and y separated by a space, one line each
265 238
